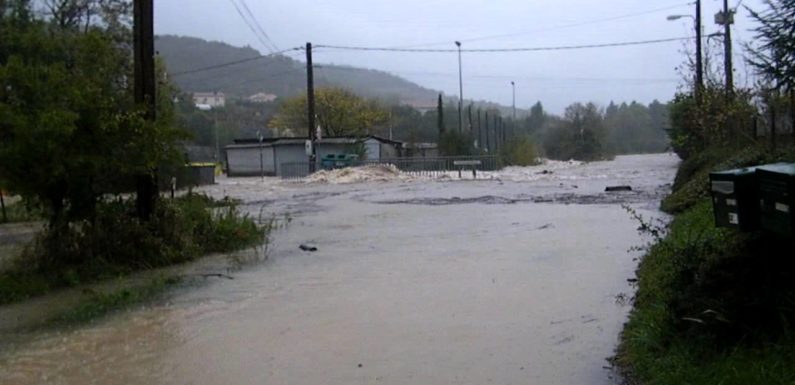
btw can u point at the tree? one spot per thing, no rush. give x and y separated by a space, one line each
69 130
774 55
579 135
536 118
339 112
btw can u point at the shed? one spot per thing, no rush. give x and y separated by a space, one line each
243 157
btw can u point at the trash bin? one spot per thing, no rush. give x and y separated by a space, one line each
328 161
777 198
345 160
735 199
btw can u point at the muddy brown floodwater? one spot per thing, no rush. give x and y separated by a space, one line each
508 280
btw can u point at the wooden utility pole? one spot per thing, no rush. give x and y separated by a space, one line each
699 61
310 105
771 105
728 19
144 93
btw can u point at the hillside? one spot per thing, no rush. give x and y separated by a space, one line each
279 75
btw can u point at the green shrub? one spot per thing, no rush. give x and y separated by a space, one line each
114 242
519 151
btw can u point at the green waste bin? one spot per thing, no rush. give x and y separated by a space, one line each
735 200
345 160
328 161
777 198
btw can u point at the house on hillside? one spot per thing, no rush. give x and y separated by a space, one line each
249 157
210 99
261 97
421 106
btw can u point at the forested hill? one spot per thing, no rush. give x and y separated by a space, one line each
279 75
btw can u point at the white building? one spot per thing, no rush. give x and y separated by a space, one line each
261 97
211 99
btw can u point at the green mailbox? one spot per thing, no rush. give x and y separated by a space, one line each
777 198
735 200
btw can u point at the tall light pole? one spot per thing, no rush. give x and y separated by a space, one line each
699 66
460 90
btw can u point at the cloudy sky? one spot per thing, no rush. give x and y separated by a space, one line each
556 78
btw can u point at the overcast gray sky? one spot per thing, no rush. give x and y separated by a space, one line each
556 78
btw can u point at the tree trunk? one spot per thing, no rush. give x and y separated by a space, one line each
146 195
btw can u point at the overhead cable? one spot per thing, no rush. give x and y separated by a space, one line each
492 50
231 63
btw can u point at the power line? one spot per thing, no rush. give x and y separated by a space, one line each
231 63
565 26
498 77
426 50
491 50
257 24
250 26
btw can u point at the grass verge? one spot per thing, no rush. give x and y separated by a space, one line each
101 304
713 306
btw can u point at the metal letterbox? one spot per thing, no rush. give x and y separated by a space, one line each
735 200
777 198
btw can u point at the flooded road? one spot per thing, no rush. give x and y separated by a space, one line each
511 279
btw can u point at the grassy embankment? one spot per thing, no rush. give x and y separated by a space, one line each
713 306
115 244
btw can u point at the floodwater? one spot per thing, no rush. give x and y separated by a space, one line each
511 279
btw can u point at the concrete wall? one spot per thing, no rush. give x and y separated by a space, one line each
244 161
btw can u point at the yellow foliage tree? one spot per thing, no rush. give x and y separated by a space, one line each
338 112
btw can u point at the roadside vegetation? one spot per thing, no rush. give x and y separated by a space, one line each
115 243
84 159
715 305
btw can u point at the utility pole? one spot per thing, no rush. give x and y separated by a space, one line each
699 60
460 90
310 105
727 20
144 94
